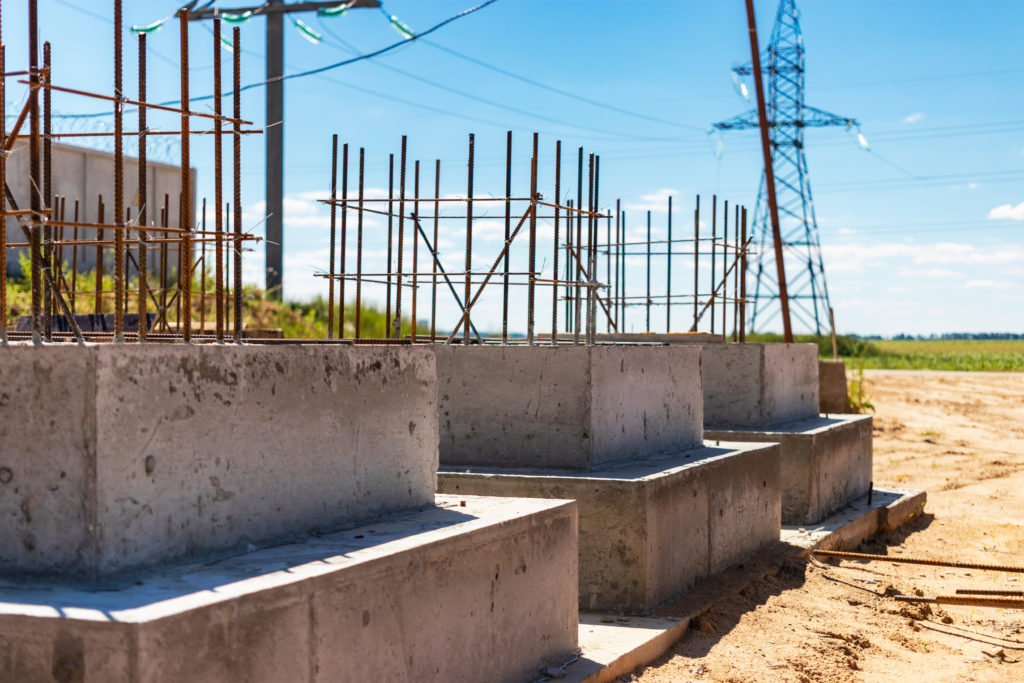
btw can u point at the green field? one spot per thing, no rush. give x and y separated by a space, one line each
981 355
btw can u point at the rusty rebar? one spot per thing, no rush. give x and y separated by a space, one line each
74 260
668 274
35 202
433 285
508 225
967 601
578 245
988 591
397 324
714 254
648 300
343 260
696 264
202 276
48 293
237 246
555 249
359 246
185 204
100 218
391 203
920 560
743 283
142 265
469 235
3 201
415 248
119 275
218 184
530 294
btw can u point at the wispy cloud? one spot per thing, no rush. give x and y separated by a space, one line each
655 201
987 284
913 118
1008 212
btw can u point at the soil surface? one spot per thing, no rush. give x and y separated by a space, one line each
958 435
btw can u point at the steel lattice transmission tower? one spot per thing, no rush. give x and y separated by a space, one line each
788 116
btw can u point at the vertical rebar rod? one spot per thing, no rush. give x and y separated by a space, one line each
743 279
618 258
202 276
218 185
626 253
74 262
397 325
143 194
608 263
391 213
35 180
595 201
333 240
433 284
120 286
648 300
415 247
177 291
48 293
508 227
569 222
236 39
578 246
714 254
725 267
668 274
696 263
736 274
359 245
531 288
591 232
186 187
469 237
100 218
342 260
554 268
164 274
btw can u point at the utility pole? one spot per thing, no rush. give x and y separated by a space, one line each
274 10
769 175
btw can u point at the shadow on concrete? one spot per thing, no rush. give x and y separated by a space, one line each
220 575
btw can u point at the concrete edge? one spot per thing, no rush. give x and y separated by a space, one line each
842 530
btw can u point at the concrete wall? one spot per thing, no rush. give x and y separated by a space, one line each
472 590
826 463
567 406
755 385
113 457
85 174
649 530
833 396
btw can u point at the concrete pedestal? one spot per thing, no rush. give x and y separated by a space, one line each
826 462
649 529
472 590
572 407
115 457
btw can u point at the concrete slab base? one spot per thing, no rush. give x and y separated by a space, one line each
614 646
826 462
474 589
650 529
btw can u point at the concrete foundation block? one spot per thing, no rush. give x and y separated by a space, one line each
650 529
569 407
833 396
749 386
826 462
114 457
475 589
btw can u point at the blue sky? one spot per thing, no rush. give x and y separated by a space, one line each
925 236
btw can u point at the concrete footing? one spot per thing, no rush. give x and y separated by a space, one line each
649 529
475 589
826 462
833 396
115 457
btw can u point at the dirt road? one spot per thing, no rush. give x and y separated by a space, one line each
960 436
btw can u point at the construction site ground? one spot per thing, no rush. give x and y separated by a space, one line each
959 436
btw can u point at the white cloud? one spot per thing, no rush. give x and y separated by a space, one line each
973 186
937 273
913 118
1008 212
847 231
655 201
988 284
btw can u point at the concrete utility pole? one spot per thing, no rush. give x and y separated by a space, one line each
769 175
275 10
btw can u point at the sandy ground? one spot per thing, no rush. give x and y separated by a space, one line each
960 436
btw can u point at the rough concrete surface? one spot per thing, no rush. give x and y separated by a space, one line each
649 529
125 456
833 396
748 386
473 590
826 462
572 407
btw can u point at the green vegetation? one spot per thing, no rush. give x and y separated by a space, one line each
976 355
296 320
